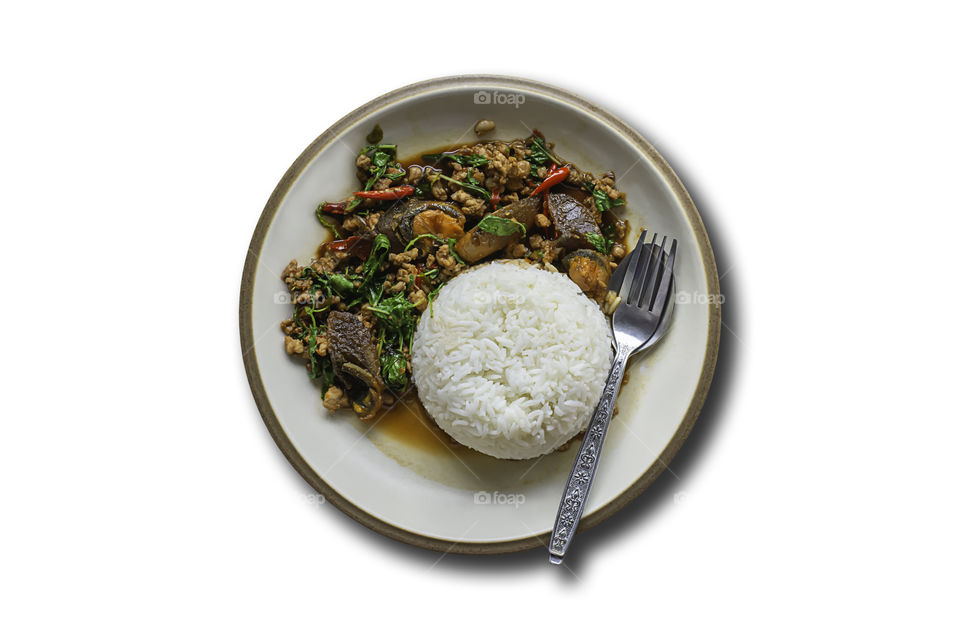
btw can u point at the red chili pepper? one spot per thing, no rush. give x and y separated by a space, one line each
554 177
393 193
343 245
354 245
335 207
495 197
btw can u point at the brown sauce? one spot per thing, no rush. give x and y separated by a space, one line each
408 422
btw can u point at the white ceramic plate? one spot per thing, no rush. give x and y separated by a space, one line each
456 500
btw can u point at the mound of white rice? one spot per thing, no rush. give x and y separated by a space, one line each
513 360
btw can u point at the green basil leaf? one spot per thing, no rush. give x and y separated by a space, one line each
393 369
467 160
601 244
470 184
501 226
341 284
388 148
397 317
450 243
380 158
540 155
375 136
422 235
422 189
604 201
378 253
327 222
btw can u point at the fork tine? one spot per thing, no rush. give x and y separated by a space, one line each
640 282
666 282
630 272
656 262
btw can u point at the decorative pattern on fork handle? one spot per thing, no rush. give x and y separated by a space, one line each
581 476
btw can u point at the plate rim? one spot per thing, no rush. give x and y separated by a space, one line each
247 340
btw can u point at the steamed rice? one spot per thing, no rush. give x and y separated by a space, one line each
512 359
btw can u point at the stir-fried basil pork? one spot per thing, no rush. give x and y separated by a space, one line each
412 227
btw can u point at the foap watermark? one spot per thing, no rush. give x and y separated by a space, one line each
680 497
485 497
699 297
496 297
495 97
285 297
313 499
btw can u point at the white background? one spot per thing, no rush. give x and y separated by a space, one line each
142 495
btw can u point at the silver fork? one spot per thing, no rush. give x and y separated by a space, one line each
644 282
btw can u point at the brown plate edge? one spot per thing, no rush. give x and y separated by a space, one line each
247 339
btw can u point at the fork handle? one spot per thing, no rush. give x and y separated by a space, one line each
585 467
